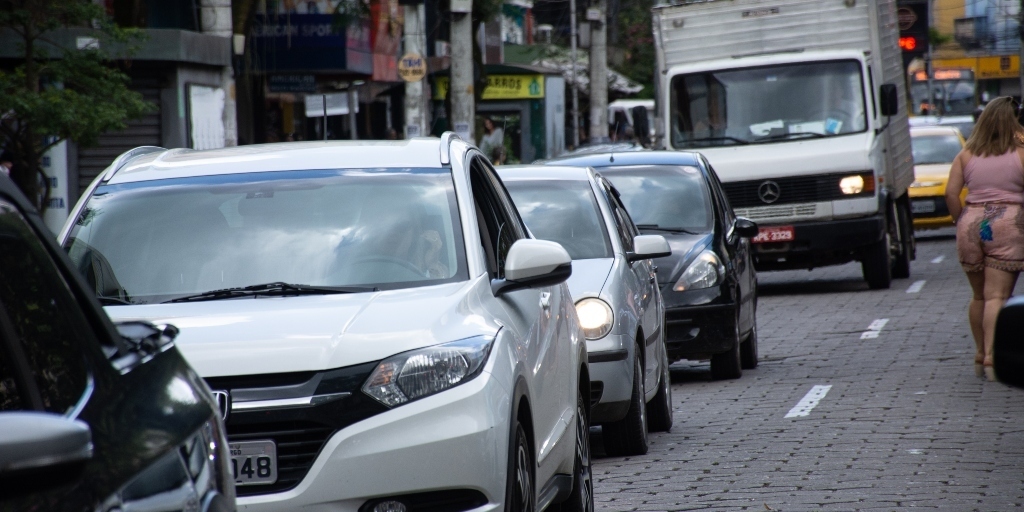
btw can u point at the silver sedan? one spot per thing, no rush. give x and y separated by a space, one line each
613 286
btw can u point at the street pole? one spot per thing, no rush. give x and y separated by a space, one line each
461 85
599 74
572 75
415 43
216 20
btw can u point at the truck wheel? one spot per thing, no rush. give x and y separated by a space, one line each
877 264
905 239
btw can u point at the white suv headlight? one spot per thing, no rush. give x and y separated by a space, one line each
596 317
704 272
413 375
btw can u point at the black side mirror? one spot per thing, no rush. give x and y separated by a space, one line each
1007 351
889 98
745 228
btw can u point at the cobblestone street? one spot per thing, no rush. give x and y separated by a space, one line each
904 424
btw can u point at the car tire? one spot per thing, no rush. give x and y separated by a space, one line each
726 365
748 349
877 265
519 488
905 229
628 436
582 497
659 409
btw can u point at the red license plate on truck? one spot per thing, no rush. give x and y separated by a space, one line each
773 234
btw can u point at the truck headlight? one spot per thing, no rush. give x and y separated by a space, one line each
857 184
704 272
596 317
419 373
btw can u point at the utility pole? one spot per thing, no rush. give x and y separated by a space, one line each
461 85
216 20
576 90
598 72
415 43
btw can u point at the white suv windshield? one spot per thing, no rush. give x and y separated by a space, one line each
767 104
161 240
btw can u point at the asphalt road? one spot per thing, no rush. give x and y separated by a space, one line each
836 419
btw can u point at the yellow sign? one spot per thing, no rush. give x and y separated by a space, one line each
500 87
412 67
985 68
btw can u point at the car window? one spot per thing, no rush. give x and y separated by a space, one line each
935 149
500 227
728 216
563 211
159 240
624 226
42 332
664 196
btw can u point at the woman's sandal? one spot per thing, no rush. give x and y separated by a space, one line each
979 367
990 372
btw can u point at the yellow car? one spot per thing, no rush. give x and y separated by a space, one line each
934 148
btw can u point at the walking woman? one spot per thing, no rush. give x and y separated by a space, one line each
990 229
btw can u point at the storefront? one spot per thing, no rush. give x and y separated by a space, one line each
310 60
523 107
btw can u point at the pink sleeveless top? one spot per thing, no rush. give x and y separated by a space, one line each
995 179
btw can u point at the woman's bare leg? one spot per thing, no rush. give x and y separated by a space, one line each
998 287
975 312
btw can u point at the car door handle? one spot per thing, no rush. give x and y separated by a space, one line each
545 300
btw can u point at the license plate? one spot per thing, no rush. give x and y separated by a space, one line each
922 206
254 462
774 234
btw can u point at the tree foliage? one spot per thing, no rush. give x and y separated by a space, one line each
59 93
637 41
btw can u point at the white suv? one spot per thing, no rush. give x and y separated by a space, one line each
381 330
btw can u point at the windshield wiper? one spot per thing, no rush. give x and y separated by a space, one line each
276 288
113 301
724 137
668 229
813 135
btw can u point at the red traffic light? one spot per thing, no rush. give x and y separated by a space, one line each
908 43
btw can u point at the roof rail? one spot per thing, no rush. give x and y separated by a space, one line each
123 159
446 146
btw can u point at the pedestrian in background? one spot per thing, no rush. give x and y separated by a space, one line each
990 229
492 138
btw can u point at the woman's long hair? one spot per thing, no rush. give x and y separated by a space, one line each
997 129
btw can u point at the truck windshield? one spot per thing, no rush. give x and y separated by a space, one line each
767 104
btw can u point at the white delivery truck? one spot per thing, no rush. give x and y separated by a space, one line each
800 107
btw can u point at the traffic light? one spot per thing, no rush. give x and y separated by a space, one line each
912 17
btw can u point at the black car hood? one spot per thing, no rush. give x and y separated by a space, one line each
685 248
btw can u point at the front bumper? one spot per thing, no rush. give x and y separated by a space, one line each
611 377
817 244
455 440
928 207
699 323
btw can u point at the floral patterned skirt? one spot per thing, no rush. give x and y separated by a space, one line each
991 235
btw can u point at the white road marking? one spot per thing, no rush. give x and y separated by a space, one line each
874 329
809 401
939 258
916 287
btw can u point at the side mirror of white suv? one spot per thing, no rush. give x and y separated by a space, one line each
533 263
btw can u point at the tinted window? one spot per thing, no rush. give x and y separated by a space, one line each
41 329
565 212
158 240
935 149
661 196
498 226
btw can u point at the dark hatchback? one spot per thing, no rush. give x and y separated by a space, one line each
708 283
94 416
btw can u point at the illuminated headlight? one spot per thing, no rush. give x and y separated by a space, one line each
852 184
413 375
705 271
922 184
596 317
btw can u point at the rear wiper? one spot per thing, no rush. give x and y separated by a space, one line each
276 288
813 135
724 137
668 229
